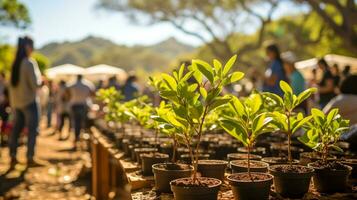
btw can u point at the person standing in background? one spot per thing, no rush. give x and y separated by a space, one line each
62 107
25 81
80 93
4 106
326 87
275 71
130 88
50 104
296 79
336 75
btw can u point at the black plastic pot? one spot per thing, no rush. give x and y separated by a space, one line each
353 164
278 161
247 190
188 192
186 158
212 168
239 166
164 173
258 150
330 181
139 151
242 156
310 157
149 159
291 184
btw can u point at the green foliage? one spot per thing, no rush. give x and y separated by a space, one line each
193 101
324 131
13 12
115 110
246 120
284 117
42 61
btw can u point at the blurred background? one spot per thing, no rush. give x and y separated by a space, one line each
156 35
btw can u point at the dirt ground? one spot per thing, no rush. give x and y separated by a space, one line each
64 175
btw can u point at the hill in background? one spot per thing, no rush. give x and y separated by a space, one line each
95 50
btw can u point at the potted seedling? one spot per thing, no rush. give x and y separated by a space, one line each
114 110
151 158
164 173
290 180
140 114
322 134
191 103
245 122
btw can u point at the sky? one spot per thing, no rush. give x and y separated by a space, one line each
71 20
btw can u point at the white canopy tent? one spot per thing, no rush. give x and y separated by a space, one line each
306 66
65 72
103 72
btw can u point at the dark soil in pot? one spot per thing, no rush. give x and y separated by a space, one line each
164 173
353 164
186 158
212 168
291 181
242 156
149 159
139 151
205 188
258 150
239 166
245 188
278 160
330 177
310 157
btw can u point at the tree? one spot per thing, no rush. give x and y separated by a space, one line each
13 12
340 16
213 22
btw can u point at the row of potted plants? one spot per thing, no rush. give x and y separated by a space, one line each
194 103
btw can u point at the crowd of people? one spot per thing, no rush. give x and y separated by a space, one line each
28 96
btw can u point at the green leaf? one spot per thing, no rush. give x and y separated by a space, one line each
203 92
285 87
218 67
237 106
170 81
300 123
318 116
234 77
205 69
219 101
259 123
229 65
331 115
182 69
337 148
305 95
235 129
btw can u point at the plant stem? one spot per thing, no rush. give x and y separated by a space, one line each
289 139
195 164
250 175
174 149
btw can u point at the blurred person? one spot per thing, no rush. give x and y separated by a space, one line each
80 93
50 103
326 86
275 71
336 75
43 97
24 83
4 106
346 71
62 107
296 79
130 89
99 85
346 102
112 82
